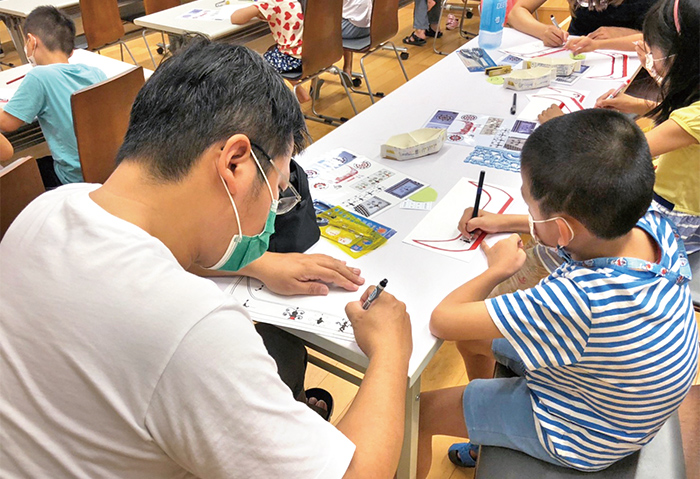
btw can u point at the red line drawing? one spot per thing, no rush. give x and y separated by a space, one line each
475 244
614 57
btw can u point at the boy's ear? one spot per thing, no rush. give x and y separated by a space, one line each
565 231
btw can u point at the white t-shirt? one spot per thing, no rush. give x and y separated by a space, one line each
358 12
116 362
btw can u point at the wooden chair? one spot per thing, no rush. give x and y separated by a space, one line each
101 118
322 47
466 9
20 183
384 24
155 6
103 26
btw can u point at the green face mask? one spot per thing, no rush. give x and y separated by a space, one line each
243 250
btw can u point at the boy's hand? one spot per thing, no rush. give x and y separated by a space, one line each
507 256
486 222
554 37
551 112
383 328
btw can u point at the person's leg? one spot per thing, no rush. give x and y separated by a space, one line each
48 173
478 358
433 15
420 19
440 414
349 31
289 354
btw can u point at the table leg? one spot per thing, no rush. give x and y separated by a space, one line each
14 26
409 451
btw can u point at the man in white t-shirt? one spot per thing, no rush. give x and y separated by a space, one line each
118 362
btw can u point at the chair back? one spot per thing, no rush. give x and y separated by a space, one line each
323 42
101 118
384 23
20 183
155 6
101 22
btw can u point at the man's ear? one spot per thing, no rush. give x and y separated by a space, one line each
565 233
235 152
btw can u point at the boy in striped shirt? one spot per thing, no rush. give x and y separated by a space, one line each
606 347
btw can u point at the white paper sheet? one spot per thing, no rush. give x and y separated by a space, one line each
438 232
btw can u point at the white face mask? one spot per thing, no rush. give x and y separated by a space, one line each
532 222
30 58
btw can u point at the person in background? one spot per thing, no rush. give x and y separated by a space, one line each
286 21
46 90
596 19
356 18
426 14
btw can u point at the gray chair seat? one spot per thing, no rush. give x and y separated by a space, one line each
661 458
356 44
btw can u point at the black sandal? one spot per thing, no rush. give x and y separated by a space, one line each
413 39
321 395
431 33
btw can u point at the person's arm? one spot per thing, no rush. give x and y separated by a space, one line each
462 315
668 136
9 122
589 43
612 32
625 103
244 15
375 420
520 18
6 150
295 273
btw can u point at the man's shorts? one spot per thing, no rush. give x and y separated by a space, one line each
498 412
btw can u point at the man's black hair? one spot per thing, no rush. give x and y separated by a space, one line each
202 96
593 165
53 27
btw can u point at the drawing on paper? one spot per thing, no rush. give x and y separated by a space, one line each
267 307
438 230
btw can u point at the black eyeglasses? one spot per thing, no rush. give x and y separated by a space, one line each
289 197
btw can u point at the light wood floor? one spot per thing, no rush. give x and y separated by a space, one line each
446 369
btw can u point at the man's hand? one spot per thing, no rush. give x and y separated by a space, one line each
582 45
554 37
551 112
384 327
507 256
297 273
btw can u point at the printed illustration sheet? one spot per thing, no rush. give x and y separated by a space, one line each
358 184
488 131
438 230
267 307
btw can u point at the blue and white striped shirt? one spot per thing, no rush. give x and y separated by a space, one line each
610 346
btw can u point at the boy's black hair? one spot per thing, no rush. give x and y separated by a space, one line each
200 97
53 27
681 84
593 165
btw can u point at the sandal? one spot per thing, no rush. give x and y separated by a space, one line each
432 33
413 39
459 454
320 395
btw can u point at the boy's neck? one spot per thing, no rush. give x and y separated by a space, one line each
50 58
635 244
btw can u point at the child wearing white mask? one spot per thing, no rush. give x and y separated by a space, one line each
45 93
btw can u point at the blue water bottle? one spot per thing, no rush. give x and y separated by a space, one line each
493 16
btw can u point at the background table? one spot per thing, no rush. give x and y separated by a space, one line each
168 21
418 277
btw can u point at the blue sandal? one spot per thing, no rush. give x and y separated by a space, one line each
459 454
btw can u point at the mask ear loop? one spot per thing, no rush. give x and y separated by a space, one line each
676 20
236 238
